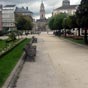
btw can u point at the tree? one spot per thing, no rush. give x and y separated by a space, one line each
59 20
12 36
20 22
75 23
23 23
55 22
51 23
66 24
82 16
28 24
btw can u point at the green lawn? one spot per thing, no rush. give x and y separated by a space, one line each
8 62
2 44
81 41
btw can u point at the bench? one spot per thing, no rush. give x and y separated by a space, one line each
30 45
30 52
34 40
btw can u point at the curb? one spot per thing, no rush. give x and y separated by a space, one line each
11 80
9 49
84 46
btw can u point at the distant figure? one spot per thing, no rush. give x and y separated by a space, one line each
39 33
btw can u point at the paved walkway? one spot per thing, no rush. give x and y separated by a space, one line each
59 64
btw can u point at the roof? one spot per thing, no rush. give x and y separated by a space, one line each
22 10
41 20
10 5
67 7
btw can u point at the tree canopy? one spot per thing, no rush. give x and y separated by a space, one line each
82 17
56 21
23 23
50 23
82 14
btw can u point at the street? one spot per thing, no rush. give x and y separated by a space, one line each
59 64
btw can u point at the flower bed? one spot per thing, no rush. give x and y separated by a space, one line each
9 47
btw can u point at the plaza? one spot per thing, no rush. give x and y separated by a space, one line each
43 44
59 64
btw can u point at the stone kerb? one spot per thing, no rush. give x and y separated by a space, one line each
11 80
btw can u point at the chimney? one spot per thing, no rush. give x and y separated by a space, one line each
1 6
26 8
22 7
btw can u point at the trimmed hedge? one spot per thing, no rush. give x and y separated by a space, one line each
8 49
8 61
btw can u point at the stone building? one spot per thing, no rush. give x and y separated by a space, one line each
41 23
0 17
24 11
8 17
42 12
66 8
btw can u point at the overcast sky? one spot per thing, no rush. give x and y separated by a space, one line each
34 5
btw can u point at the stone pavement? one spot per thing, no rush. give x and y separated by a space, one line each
39 74
3 37
59 64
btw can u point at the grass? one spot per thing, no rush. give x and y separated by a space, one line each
80 41
2 44
8 62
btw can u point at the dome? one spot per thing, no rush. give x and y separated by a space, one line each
66 3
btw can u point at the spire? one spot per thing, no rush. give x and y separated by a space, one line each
41 1
42 6
42 10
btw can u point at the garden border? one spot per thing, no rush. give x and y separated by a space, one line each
7 51
81 45
11 80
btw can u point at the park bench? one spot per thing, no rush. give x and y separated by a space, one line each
34 40
30 46
30 52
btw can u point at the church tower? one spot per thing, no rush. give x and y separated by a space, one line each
66 3
42 11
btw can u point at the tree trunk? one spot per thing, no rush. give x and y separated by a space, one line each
78 31
65 32
85 36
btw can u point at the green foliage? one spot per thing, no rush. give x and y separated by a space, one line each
2 44
73 23
82 17
80 41
50 23
8 62
59 20
23 23
12 36
82 14
20 23
67 23
56 21
28 24
70 22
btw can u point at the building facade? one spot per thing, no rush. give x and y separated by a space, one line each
8 17
41 23
66 8
24 11
0 17
42 11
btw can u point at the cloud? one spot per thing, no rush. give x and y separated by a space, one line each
34 5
